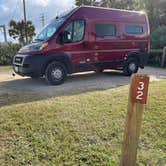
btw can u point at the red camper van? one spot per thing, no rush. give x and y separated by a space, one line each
86 39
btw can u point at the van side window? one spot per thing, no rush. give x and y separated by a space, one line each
105 29
76 30
134 29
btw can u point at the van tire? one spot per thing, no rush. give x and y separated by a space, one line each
99 71
34 76
131 67
55 73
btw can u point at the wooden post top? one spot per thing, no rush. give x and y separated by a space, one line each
139 88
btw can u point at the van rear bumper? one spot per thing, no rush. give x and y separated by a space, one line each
143 59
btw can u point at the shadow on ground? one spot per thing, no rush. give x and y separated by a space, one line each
27 90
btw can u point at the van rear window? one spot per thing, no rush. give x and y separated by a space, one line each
105 29
134 29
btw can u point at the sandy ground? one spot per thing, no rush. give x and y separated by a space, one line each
76 83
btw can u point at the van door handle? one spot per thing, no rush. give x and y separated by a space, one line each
85 44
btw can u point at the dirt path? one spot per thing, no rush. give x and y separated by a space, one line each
76 83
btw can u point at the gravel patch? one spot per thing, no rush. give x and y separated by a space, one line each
76 83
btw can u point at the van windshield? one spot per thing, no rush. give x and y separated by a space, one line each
50 29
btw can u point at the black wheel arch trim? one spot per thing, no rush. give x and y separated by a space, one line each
60 57
141 56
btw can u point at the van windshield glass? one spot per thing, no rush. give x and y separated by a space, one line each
49 30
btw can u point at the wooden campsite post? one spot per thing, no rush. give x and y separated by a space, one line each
136 102
163 57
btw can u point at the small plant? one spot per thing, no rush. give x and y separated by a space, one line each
158 38
7 51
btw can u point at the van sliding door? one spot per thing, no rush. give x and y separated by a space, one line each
107 44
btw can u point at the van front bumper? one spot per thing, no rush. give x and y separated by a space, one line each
22 70
27 65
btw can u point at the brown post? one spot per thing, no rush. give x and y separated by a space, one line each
163 57
4 32
137 99
25 20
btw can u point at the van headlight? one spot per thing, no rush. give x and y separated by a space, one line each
33 47
39 46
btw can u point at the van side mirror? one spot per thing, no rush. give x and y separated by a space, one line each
66 37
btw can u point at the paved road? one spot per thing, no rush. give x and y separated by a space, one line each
76 83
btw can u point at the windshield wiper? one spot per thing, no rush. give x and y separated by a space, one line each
38 39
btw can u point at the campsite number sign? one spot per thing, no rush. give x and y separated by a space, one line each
139 89
137 98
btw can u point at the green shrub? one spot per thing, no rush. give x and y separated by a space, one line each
154 59
7 51
158 38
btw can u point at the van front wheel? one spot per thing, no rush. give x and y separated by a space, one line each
55 73
130 67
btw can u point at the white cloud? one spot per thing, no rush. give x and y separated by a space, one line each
13 9
42 2
4 8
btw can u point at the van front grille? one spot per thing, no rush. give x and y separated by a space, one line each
18 60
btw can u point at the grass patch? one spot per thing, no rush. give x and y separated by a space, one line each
17 97
5 67
83 129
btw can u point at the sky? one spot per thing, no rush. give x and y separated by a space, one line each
13 9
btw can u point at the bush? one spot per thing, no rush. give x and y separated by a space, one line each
158 38
7 51
155 59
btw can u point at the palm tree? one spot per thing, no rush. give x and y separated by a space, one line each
17 30
86 2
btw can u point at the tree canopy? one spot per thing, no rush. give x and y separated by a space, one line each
18 30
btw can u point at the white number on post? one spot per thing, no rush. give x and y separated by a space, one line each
140 91
141 87
139 95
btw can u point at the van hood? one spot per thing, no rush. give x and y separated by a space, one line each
36 46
